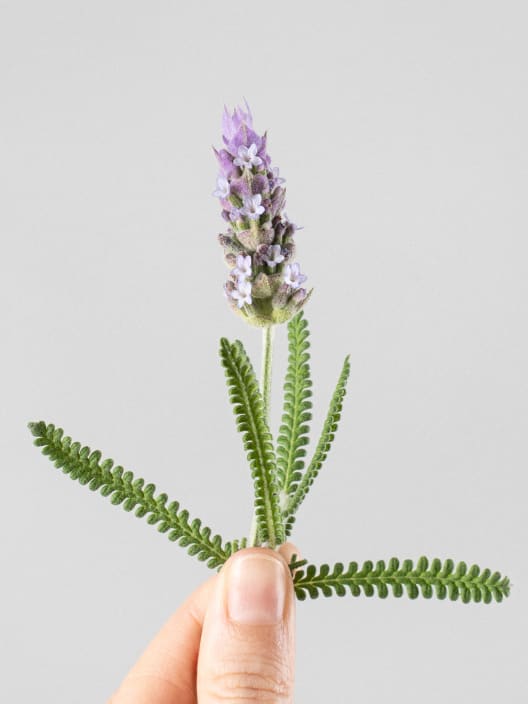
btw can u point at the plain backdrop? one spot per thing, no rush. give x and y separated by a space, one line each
401 130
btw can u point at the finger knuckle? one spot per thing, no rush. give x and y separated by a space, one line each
265 680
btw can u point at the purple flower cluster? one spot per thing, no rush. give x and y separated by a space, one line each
264 283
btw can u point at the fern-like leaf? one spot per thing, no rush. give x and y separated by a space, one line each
248 408
324 444
121 487
426 578
293 432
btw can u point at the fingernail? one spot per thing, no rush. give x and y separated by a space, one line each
256 590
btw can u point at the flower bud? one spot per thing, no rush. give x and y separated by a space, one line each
229 245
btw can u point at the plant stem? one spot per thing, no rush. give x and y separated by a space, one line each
265 376
265 390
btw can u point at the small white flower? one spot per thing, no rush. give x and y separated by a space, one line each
222 188
293 276
243 267
252 206
242 293
247 157
273 256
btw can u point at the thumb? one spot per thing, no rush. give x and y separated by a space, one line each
247 645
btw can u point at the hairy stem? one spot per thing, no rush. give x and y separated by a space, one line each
265 376
265 390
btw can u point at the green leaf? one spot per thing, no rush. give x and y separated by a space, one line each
247 402
122 488
293 432
430 581
325 441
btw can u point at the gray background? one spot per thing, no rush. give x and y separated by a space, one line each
401 130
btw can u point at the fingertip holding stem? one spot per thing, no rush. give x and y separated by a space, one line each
248 640
256 589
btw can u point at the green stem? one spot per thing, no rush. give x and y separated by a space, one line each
265 376
265 390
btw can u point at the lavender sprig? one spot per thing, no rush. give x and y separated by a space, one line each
265 287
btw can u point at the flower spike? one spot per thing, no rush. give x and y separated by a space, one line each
252 197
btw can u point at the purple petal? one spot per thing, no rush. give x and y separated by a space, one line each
225 161
259 184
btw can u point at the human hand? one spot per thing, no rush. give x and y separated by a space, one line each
232 640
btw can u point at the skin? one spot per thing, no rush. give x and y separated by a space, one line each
205 656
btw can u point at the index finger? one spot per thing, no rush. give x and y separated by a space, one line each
166 672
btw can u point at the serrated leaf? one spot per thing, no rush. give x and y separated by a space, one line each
248 407
325 441
311 580
121 488
293 432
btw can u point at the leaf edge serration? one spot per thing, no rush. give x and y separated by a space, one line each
297 406
248 409
425 578
122 487
324 445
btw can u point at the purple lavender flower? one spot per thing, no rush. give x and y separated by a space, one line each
293 276
242 293
245 166
252 207
243 267
247 157
222 188
232 123
277 180
273 256
260 236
